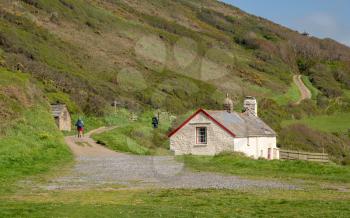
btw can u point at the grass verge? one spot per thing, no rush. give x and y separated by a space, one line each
179 203
138 137
239 165
291 96
112 118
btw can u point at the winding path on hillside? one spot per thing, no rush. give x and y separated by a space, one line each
305 93
97 166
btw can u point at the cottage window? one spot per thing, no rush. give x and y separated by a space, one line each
201 135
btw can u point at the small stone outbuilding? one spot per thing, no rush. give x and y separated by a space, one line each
62 117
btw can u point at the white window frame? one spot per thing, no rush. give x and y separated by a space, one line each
198 139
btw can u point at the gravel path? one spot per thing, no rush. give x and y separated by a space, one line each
304 91
99 166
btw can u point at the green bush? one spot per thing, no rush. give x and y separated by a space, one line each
60 97
323 79
305 64
249 41
342 77
218 20
303 138
272 113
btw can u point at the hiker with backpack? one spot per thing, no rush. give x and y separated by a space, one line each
80 127
155 122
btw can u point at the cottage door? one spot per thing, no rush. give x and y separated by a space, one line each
269 153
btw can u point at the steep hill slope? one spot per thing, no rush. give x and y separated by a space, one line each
174 55
75 46
30 142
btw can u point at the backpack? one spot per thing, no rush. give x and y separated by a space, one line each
80 124
154 120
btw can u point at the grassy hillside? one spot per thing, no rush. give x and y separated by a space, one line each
292 95
30 142
336 123
139 136
170 55
314 91
208 46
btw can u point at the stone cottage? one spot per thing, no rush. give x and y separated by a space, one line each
62 117
209 132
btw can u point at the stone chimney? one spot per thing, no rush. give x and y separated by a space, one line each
228 104
250 106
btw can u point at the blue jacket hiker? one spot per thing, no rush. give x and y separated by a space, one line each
80 127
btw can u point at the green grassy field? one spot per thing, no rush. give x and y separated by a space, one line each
339 122
179 203
137 137
240 165
321 192
111 118
291 96
347 93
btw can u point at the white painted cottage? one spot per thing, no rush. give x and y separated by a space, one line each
210 132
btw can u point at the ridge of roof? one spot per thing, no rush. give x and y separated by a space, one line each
209 116
236 124
243 124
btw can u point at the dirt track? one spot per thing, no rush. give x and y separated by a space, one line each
98 166
304 91
86 146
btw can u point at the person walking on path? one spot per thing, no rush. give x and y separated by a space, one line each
80 127
155 122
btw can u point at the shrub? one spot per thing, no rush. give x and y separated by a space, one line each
264 56
34 3
249 40
160 139
306 108
305 64
342 77
322 101
169 26
95 105
67 4
54 18
65 99
346 160
272 113
301 137
323 79
218 20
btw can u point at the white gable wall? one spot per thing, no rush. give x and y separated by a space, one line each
184 140
219 140
257 147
